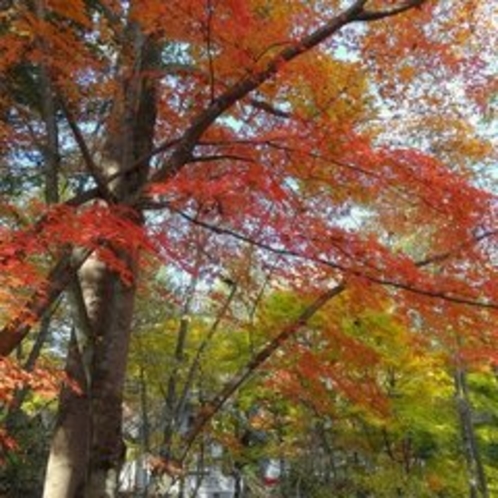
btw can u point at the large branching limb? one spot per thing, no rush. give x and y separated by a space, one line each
246 85
15 331
208 411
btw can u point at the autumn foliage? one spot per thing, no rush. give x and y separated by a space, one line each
303 146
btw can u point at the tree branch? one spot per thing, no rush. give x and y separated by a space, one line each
343 268
208 411
85 152
249 83
221 157
371 15
194 366
270 109
13 333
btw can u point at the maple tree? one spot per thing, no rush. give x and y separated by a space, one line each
332 146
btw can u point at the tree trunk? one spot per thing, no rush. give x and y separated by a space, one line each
69 449
88 450
111 320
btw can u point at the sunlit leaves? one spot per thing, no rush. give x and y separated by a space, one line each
43 381
26 251
74 10
357 161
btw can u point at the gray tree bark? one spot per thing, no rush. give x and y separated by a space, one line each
88 450
110 304
69 449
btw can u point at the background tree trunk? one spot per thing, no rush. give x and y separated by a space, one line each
478 487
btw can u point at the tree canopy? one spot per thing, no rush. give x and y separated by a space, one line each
306 189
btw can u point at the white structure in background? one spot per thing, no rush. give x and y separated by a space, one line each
134 476
211 483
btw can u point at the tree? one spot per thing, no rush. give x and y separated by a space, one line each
254 121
